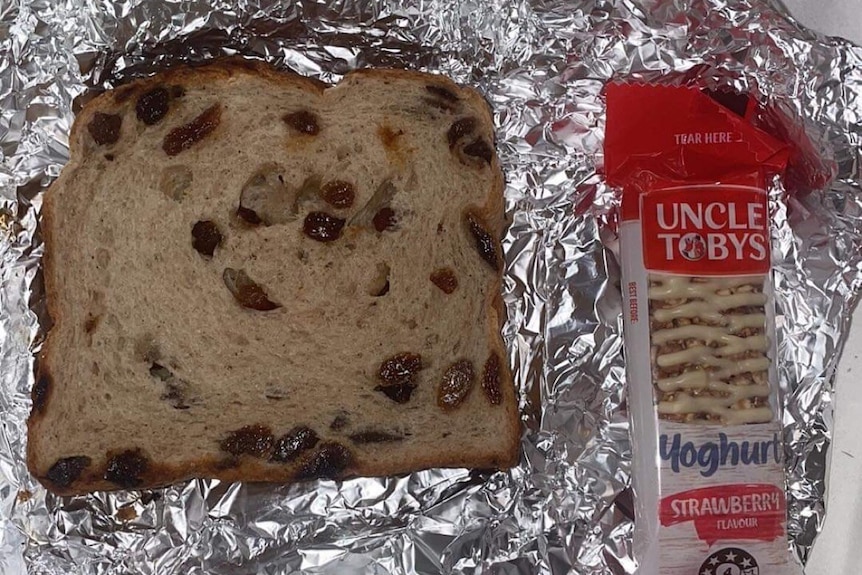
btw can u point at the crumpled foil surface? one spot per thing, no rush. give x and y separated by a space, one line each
542 64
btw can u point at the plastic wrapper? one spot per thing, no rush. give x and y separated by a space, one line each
699 327
542 66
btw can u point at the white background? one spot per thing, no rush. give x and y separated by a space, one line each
839 547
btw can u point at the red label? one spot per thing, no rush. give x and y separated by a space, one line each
706 230
683 134
752 511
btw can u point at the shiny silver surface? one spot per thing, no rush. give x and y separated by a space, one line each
542 66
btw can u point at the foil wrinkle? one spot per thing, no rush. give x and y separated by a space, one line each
542 65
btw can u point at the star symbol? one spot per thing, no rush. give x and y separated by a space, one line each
730 557
746 563
706 572
713 561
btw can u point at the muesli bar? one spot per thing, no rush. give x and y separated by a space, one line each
709 349
703 399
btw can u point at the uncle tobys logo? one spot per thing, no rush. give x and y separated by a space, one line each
706 230
692 246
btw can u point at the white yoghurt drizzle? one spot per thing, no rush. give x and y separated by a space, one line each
713 367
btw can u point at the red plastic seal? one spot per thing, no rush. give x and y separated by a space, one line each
740 512
660 136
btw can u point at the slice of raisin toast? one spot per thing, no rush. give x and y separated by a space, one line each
254 276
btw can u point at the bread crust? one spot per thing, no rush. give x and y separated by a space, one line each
246 468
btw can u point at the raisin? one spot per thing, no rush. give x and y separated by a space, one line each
384 219
65 471
491 379
105 128
152 106
328 462
40 392
187 135
254 440
381 198
478 148
485 243
294 442
246 291
373 436
248 215
445 279
456 385
460 129
206 237
338 193
303 121
339 423
398 375
442 92
400 368
399 393
126 468
322 227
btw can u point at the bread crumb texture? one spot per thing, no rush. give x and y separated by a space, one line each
253 276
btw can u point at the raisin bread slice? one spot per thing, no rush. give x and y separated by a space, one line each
254 276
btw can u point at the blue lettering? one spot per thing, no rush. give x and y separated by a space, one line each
710 456
671 454
729 450
688 454
749 454
707 458
764 450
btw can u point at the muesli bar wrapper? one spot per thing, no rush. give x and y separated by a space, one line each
699 329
